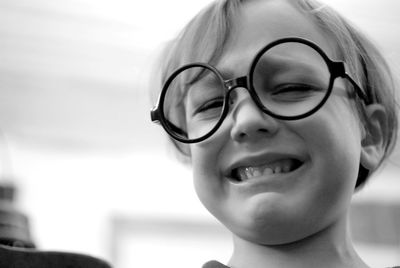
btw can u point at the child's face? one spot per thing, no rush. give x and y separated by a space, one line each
287 206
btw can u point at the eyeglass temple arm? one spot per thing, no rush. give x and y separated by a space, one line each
341 71
358 89
155 117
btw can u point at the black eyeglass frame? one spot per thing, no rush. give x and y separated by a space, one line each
336 68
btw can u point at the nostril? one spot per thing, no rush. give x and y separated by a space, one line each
242 135
249 122
255 133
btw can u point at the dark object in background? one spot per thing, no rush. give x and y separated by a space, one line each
17 249
14 225
13 257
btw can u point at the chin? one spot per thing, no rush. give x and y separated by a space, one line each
273 234
272 223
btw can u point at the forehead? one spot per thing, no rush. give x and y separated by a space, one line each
260 22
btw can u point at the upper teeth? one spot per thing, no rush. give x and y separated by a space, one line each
282 166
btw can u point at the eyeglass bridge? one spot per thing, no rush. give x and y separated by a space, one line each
237 82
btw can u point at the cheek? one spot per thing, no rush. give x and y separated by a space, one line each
333 138
207 180
206 156
335 127
333 142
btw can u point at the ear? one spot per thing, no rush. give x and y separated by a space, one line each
373 142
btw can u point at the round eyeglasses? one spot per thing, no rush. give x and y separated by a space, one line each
288 79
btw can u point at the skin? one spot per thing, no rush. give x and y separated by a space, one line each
297 219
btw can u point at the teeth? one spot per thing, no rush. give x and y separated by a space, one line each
285 168
257 173
278 167
242 173
268 171
249 172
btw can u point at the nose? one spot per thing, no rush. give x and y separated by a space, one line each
250 123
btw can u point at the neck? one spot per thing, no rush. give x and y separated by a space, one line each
329 248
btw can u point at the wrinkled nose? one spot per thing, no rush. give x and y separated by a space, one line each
250 123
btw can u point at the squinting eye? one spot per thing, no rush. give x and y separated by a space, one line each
295 90
211 105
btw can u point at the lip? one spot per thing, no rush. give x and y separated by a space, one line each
260 160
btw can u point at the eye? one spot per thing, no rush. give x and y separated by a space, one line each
289 88
295 91
213 105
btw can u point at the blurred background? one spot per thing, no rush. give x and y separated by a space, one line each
92 173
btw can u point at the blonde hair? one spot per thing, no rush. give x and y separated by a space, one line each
205 36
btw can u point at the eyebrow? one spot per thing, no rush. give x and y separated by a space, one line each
210 84
209 80
276 64
273 64
188 84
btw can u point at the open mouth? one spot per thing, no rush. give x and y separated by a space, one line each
244 173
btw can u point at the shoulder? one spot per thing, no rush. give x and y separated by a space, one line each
216 264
